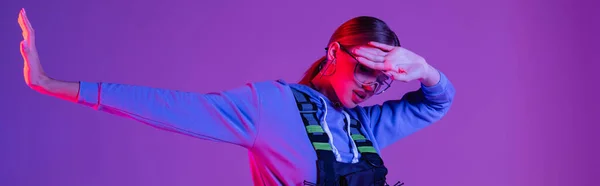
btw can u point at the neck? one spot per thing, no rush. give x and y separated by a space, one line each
324 87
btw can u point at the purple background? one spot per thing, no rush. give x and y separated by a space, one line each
526 111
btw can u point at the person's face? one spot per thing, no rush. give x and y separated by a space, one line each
352 82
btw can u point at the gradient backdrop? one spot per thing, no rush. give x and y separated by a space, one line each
526 111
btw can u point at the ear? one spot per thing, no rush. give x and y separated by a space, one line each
332 49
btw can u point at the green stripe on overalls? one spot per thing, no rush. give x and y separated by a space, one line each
357 137
367 149
314 129
321 146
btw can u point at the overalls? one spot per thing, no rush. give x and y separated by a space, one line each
368 171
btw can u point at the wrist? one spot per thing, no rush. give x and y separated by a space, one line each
44 81
431 76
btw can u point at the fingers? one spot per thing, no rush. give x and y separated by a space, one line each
372 58
26 19
21 21
371 50
27 29
375 65
22 49
25 52
382 46
402 76
372 54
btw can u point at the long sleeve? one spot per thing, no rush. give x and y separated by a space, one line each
230 116
396 119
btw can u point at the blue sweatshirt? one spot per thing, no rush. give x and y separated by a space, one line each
263 118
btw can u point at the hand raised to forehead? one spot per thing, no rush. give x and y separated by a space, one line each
397 62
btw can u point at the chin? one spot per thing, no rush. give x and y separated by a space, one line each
349 103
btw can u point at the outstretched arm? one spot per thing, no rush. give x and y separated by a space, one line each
229 116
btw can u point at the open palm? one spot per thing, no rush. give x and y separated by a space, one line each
32 69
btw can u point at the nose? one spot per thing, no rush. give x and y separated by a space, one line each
370 87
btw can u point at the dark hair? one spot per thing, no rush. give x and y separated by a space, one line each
356 31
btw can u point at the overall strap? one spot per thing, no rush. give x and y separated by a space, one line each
363 144
318 137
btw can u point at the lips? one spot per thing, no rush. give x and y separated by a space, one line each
360 94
